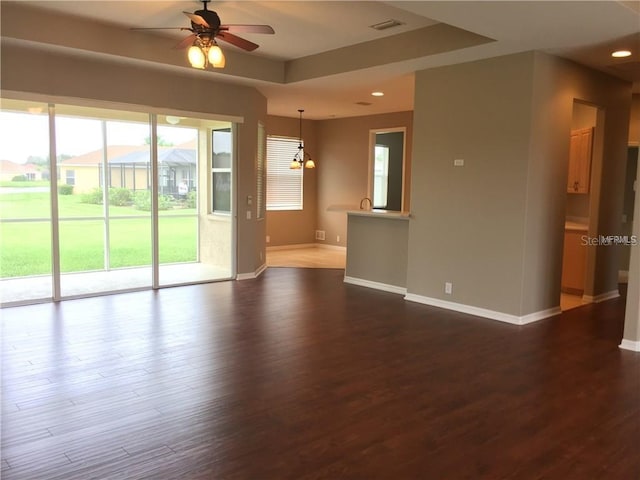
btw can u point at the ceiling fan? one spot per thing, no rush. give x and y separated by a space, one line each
206 27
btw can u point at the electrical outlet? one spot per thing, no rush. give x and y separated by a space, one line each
248 214
319 234
268 239
338 238
458 162
448 288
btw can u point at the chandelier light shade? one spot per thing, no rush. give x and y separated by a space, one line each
301 157
196 56
216 57
205 51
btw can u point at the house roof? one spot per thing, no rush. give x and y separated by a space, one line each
7 166
138 154
95 157
166 156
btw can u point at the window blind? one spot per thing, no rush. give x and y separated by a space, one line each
284 185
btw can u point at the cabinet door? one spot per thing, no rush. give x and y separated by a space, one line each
580 153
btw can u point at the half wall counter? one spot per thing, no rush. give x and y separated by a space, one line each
377 246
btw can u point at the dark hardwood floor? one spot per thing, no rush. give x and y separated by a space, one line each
297 375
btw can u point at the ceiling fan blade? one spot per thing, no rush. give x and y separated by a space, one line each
159 28
237 41
197 19
248 28
187 42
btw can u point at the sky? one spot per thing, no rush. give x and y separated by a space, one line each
23 135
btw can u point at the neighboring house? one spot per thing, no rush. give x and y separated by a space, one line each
130 167
9 170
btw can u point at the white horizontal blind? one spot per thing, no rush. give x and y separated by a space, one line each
284 185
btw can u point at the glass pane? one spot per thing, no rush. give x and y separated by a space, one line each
25 202
193 244
222 192
380 176
177 190
105 216
130 242
222 148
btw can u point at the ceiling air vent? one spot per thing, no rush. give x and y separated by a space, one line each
386 24
364 104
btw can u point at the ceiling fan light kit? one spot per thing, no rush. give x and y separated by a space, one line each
204 52
205 28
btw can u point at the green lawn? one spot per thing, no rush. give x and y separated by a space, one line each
37 205
25 247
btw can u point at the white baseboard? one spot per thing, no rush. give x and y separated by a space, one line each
483 312
331 247
602 297
250 276
375 285
305 245
630 345
623 276
290 247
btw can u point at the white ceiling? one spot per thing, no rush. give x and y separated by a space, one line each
584 31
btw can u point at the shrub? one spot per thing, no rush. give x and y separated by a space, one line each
192 197
120 197
19 178
65 189
142 201
94 197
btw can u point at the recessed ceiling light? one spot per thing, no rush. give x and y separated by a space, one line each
621 53
377 94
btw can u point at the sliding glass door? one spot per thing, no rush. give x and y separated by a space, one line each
124 214
104 157
25 202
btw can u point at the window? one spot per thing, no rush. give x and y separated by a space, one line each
221 171
284 185
70 177
380 176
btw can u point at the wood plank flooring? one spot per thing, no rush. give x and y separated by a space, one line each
296 375
309 257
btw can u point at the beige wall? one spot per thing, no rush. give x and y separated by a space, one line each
343 163
557 84
467 223
295 226
377 249
28 72
494 228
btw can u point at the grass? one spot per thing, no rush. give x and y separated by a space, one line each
25 247
37 205
26 183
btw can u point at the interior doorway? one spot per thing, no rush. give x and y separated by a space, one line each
387 169
583 177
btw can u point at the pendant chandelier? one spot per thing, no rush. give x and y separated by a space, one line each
299 159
